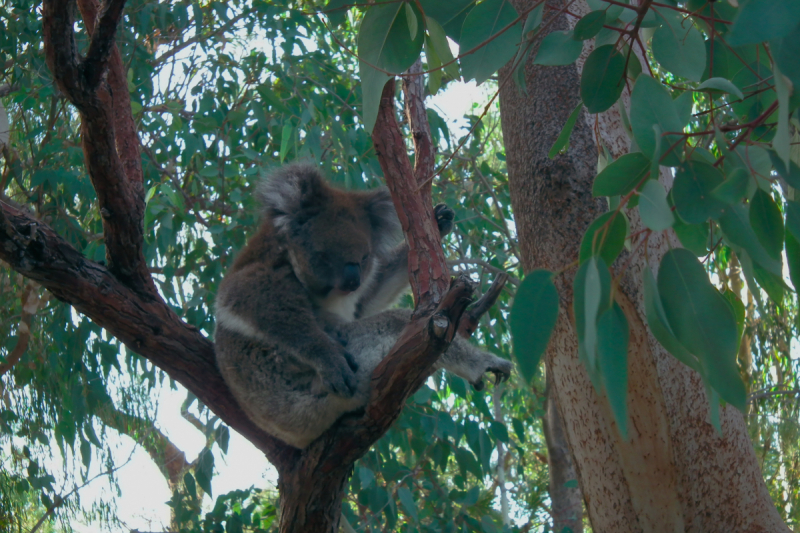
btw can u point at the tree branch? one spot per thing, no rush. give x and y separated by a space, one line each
427 267
121 200
424 149
97 56
147 327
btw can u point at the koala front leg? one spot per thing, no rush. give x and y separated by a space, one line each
391 278
280 315
471 363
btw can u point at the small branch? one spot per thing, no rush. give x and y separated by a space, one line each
758 395
96 61
427 266
424 149
471 319
30 305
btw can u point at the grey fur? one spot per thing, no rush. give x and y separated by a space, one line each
297 352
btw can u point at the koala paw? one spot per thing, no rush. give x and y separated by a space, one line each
340 378
501 369
444 218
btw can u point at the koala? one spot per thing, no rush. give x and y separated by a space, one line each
300 316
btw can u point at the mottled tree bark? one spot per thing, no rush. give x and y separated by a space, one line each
674 473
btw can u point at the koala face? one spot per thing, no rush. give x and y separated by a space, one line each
332 235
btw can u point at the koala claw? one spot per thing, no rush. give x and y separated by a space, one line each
502 371
444 218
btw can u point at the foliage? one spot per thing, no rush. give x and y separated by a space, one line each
225 91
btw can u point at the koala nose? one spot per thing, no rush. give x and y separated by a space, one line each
351 277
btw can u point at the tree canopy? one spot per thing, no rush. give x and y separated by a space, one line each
222 92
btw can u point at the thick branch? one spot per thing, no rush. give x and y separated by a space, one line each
125 134
427 268
121 200
96 61
148 327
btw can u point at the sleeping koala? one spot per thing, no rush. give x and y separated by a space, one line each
299 321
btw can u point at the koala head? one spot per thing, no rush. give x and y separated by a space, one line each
333 236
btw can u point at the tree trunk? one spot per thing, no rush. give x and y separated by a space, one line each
674 473
566 501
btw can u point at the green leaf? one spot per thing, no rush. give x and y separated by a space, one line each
482 23
659 325
702 321
651 104
603 78
562 141
204 470
734 189
772 284
383 39
411 19
590 25
438 40
604 238
767 223
372 83
683 106
532 319
792 176
693 237
593 293
691 192
286 140
678 46
191 486
450 14
583 286
336 10
407 500
793 218
735 225
721 84
558 48
780 143
786 53
612 359
621 176
653 208
762 20
793 259
737 307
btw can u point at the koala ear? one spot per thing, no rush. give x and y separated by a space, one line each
386 230
290 190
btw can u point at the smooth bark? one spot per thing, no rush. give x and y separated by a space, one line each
674 473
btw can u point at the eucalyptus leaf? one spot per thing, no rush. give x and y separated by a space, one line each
612 359
484 22
721 84
703 322
651 104
692 192
558 48
622 175
735 224
532 319
767 223
605 237
589 25
678 46
762 20
653 208
602 79
562 142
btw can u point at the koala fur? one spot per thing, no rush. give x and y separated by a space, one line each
299 322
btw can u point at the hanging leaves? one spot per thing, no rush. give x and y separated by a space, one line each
532 319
